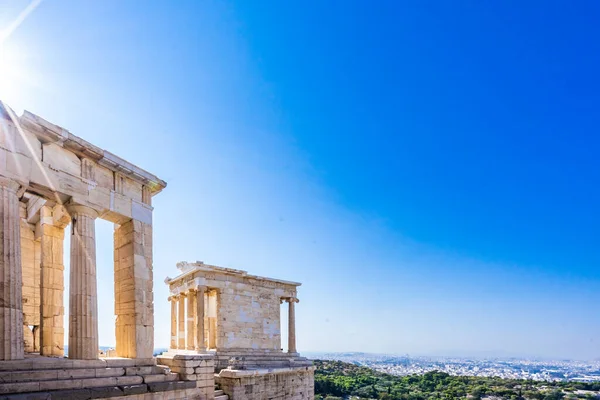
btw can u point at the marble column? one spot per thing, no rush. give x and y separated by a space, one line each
292 325
200 344
83 297
173 300
11 302
191 320
181 321
52 333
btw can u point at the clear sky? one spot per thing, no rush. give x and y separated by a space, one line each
428 169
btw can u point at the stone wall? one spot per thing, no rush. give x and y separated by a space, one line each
249 317
266 384
199 368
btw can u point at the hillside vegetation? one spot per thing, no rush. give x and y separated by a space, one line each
344 380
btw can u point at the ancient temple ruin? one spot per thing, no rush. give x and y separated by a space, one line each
50 178
235 318
52 184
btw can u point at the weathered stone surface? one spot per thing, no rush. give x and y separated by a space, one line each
134 389
11 301
83 296
78 394
52 333
105 392
160 386
134 300
283 383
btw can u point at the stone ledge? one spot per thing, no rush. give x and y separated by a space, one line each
233 373
103 392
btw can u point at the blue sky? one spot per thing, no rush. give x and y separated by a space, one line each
427 169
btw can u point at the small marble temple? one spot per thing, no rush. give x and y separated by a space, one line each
225 323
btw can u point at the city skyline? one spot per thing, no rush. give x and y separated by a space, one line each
431 181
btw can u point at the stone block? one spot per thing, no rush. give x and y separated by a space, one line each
161 386
106 392
129 390
61 159
141 212
142 370
108 372
28 396
129 380
119 362
61 384
78 394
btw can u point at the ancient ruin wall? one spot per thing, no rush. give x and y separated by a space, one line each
283 383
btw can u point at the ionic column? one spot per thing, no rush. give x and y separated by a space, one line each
173 300
292 324
191 319
11 302
200 345
181 322
83 299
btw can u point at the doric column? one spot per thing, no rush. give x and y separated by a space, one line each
200 344
134 297
11 302
83 300
181 335
173 300
191 320
52 333
292 324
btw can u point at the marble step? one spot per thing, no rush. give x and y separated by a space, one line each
37 363
177 389
219 393
86 383
78 373
222 397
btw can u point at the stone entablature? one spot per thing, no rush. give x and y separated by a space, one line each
50 178
229 310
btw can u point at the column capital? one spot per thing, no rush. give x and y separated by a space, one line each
289 300
10 184
173 297
79 209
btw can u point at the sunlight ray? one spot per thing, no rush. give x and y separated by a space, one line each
5 34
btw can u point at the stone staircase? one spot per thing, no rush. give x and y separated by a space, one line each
220 395
56 378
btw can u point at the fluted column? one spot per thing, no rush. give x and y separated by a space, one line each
83 298
173 301
11 302
191 320
292 324
200 344
181 335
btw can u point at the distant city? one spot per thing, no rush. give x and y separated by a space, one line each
510 368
